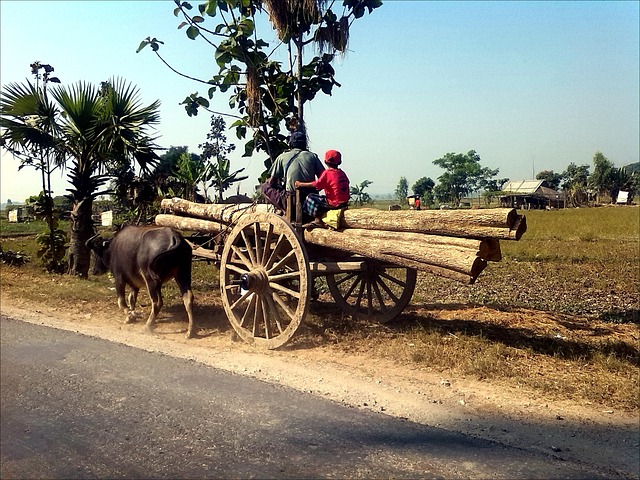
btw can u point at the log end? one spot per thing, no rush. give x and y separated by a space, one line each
490 250
520 227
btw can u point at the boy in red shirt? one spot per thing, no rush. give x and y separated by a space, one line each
335 184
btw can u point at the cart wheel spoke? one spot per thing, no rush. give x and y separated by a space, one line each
345 278
369 298
284 276
273 311
238 269
283 261
378 294
388 291
276 250
361 282
249 310
243 258
392 279
283 289
241 299
265 319
356 283
257 236
249 246
268 238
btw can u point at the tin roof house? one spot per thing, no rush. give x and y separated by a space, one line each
528 194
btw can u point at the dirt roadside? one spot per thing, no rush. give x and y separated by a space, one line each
588 434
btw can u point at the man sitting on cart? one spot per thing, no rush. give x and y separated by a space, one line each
299 164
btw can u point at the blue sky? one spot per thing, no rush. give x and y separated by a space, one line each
528 85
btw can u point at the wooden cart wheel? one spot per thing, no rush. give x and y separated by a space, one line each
377 292
265 280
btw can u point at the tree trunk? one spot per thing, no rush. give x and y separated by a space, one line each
299 48
189 224
221 212
488 248
81 231
461 262
502 223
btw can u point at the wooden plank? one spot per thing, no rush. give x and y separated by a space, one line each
324 268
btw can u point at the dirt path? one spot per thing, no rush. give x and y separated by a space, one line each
582 433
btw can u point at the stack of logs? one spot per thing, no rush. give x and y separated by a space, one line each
455 244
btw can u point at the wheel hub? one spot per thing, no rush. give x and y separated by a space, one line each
255 281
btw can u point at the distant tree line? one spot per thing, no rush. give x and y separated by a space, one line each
463 175
602 185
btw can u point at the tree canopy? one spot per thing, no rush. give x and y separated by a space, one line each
269 95
463 175
551 178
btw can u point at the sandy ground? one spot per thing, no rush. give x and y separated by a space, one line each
582 433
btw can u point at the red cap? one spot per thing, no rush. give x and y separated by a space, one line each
333 157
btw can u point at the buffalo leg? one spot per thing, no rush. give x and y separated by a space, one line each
133 298
183 279
155 293
187 299
122 303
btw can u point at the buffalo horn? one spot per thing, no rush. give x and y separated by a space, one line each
89 242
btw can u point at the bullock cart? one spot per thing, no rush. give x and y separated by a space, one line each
269 262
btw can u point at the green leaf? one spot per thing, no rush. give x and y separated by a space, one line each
203 101
210 7
182 24
248 148
152 42
197 19
246 26
143 44
193 32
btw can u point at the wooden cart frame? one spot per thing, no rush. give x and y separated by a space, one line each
269 262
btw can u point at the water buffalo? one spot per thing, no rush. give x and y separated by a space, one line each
151 256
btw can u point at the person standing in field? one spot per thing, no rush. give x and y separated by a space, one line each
298 163
335 184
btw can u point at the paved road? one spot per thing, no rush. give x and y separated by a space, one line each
79 407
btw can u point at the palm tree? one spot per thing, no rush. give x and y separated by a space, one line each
28 119
360 197
222 178
102 129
